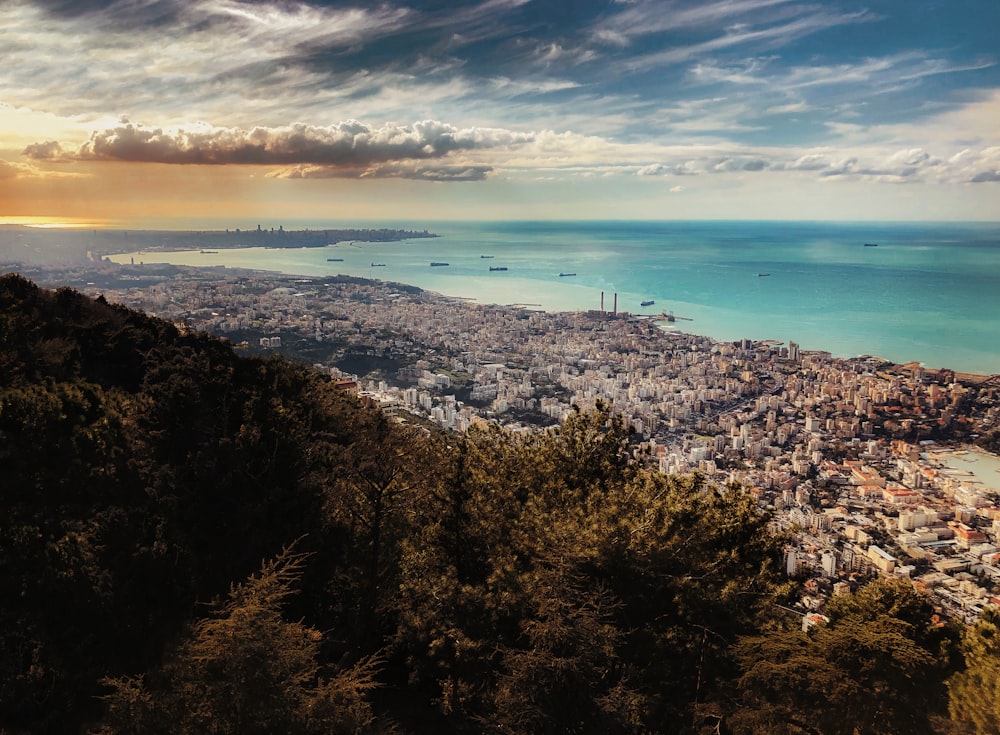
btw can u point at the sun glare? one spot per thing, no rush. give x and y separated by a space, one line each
55 222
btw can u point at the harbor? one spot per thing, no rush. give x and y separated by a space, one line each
968 465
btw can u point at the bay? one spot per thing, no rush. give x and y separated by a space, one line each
919 292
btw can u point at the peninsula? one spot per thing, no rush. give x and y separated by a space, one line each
31 245
273 238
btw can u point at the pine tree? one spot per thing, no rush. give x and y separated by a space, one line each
974 694
877 668
245 670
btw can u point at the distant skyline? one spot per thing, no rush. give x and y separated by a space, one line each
141 112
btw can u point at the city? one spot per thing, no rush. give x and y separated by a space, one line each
851 454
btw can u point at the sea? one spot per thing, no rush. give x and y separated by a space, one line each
971 465
928 293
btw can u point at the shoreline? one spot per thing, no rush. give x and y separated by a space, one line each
532 286
726 322
983 469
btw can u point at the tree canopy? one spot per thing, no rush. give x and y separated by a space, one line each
974 693
192 541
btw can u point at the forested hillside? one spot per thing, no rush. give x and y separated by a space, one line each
197 542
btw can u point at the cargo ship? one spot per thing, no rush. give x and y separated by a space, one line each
648 303
485 256
435 264
564 275
498 268
378 265
871 244
334 260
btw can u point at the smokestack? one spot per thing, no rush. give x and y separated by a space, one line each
602 302
615 312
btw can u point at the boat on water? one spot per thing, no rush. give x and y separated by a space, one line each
762 275
871 244
485 256
334 260
648 303
209 252
498 268
564 275
435 264
378 265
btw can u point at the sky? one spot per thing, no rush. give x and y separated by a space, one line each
186 113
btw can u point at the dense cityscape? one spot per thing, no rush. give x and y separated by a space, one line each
850 453
620 367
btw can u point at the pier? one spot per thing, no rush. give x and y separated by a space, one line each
669 317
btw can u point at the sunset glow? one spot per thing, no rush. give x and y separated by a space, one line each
52 223
638 109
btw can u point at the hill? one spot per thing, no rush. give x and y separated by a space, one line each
197 542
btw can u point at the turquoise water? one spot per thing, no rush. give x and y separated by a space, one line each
984 467
929 293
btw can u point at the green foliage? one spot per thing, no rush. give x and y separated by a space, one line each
553 581
877 668
369 490
61 470
245 670
524 583
567 675
142 469
974 694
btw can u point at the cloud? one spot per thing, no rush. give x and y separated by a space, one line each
852 163
646 17
877 72
506 87
655 169
872 165
349 144
608 37
809 162
682 168
456 173
9 170
50 150
293 23
244 63
902 167
761 36
554 53
985 176
911 157
727 165
788 108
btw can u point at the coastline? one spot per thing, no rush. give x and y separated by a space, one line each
968 463
556 298
825 296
